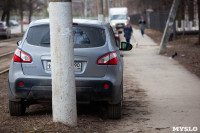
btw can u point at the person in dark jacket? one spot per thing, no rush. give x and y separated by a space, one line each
128 31
142 23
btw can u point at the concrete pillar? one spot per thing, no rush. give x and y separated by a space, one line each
62 61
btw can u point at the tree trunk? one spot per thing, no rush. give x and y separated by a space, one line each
100 10
181 13
191 10
30 10
198 2
21 15
8 12
169 26
3 15
4 11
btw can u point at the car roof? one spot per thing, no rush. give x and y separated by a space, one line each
79 21
2 22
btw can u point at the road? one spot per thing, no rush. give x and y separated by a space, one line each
159 94
7 48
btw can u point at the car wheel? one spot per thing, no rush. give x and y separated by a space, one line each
6 36
115 111
17 108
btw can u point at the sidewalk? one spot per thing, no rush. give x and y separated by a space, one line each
172 91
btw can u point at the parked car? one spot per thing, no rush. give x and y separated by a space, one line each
24 21
13 23
98 67
4 30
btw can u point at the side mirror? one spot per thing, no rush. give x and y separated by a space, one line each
125 46
19 42
119 32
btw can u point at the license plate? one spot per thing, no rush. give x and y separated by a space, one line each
77 66
120 25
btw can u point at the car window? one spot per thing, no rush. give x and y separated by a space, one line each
112 36
118 17
84 37
39 35
1 25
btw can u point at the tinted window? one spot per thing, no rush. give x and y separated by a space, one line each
1 25
113 36
118 17
84 37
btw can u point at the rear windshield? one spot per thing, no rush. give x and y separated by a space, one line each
84 37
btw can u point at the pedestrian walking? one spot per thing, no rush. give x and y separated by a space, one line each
128 31
142 23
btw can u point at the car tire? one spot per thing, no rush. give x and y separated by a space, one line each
6 36
115 111
17 108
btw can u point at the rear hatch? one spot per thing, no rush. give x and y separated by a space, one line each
89 43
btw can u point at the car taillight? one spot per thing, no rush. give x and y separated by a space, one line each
108 59
116 35
21 56
4 27
75 24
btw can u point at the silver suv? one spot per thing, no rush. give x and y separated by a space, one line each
5 31
98 67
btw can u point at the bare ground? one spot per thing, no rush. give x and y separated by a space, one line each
91 118
186 47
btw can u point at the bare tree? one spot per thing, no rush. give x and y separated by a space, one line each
30 5
140 6
198 2
6 11
181 13
191 9
21 14
33 6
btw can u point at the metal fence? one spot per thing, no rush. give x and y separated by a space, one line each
154 20
157 21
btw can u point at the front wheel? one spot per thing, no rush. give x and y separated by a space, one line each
115 111
17 108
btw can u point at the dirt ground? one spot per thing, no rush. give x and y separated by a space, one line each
144 111
91 118
185 46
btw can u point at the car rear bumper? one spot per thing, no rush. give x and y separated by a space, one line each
3 33
87 89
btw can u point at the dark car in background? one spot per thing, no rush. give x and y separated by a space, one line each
5 31
98 67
